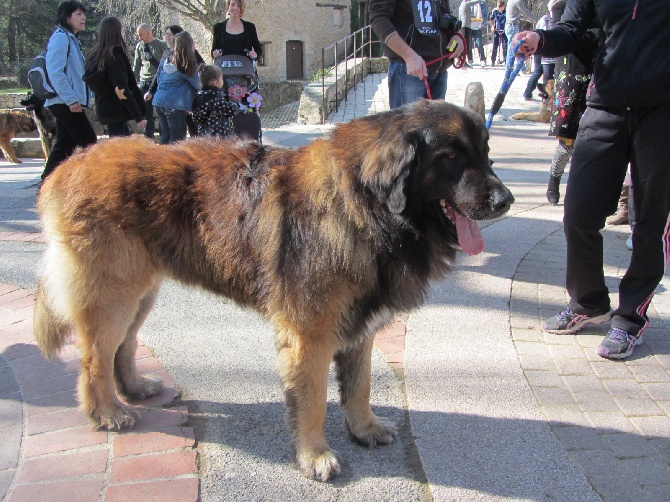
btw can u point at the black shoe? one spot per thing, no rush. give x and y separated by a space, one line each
553 194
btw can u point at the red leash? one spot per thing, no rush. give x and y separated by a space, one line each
458 63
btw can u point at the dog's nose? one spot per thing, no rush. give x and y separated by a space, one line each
501 199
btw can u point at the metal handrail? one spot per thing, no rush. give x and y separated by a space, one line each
351 40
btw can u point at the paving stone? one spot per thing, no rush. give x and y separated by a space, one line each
595 401
42 388
625 445
53 442
609 369
545 379
596 462
8 384
536 363
57 420
579 438
584 383
64 465
146 467
64 491
552 396
653 427
528 335
608 422
573 367
10 446
624 387
567 351
6 477
180 490
648 470
156 419
618 488
658 391
168 439
660 493
650 373
638 406
11 411
564 416
531 349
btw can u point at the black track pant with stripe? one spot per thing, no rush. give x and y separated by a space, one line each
608 139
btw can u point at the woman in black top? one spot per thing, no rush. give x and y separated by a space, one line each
235 36
110 76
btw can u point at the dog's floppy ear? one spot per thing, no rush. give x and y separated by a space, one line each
387 165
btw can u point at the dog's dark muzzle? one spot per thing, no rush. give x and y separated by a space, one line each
500 200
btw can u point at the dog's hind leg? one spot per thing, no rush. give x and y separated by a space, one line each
303 363
102 328
129 383
352 366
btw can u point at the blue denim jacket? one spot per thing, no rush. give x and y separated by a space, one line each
175 90
65 69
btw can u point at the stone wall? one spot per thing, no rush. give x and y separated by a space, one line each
317 96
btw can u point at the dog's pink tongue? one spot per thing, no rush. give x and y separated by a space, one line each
470 237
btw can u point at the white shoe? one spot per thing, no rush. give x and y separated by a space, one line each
629 242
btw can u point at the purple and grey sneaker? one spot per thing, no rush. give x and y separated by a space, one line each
568 322
618 344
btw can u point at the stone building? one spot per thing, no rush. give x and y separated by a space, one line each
292 33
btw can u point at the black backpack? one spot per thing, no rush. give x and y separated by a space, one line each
38 77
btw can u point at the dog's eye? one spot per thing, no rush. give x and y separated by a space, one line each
452 155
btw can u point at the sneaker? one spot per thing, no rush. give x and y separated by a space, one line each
618 344
568 322
629 242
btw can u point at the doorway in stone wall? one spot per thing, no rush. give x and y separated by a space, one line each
294 60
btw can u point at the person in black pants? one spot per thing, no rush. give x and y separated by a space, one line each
148 53
65 66
626 120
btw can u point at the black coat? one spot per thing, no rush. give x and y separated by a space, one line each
109 107
250 35
632 68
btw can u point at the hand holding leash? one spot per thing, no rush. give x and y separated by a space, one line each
530 41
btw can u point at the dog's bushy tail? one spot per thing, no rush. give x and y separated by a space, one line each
51 326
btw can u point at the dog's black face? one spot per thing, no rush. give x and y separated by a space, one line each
442 177
31 103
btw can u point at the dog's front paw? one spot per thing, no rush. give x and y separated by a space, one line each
122 417
378 430
319 465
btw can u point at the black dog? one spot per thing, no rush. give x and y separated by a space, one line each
46 123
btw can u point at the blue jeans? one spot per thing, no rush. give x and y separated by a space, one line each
510 31
172 123
405 89
534 78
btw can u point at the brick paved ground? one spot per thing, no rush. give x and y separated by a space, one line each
48 450
613 417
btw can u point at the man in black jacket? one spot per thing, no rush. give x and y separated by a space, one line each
411 35
626 121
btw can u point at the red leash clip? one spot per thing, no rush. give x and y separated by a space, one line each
458 63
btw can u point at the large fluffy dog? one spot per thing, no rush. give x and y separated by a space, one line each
46 122
326 241
11 122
